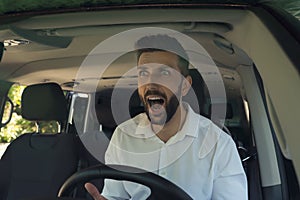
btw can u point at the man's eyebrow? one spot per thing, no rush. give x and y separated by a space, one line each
142 67
145 66
165 67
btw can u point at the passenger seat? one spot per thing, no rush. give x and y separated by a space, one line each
35 165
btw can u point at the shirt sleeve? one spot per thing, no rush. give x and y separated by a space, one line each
230 180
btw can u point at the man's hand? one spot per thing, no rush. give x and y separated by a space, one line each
93 191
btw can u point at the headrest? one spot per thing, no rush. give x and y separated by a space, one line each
195 96
219 108
104 107
44 102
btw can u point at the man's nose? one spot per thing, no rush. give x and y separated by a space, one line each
152 86
154 79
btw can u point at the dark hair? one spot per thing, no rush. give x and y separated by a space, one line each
164 43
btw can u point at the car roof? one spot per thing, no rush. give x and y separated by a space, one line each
52 43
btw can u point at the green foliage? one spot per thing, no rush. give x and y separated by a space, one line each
8 6
48 127
18 125
17 6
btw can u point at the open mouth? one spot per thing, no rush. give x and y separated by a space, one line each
152 101
156 103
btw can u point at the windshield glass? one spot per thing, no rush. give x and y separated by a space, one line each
12 6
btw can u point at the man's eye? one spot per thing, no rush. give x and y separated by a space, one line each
143 73
165 73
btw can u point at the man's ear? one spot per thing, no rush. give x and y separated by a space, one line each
186 85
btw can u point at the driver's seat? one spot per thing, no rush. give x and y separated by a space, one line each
36 164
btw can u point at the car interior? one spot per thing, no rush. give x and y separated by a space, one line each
64 63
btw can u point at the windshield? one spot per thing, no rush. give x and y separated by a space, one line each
13 6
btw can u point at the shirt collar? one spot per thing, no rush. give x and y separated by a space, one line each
191 123
144 127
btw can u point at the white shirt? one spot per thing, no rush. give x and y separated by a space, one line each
200 158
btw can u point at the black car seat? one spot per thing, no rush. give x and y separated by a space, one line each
35 165
196 97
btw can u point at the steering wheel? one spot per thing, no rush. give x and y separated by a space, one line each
160 188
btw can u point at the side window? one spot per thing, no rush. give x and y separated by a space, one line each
79 111
19 125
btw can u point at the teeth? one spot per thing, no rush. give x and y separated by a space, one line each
154 98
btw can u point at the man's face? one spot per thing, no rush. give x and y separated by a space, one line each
159 85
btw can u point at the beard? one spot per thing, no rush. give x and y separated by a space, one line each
161 111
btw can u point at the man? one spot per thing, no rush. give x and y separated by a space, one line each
170 139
